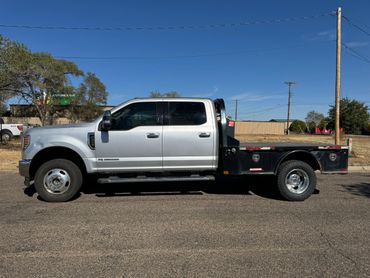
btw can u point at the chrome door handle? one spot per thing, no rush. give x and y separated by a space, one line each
152 135
204 134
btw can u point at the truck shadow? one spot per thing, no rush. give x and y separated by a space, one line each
263 186
259 185
361 189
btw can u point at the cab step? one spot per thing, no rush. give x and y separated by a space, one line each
116 179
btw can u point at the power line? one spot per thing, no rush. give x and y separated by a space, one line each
182 56
356 26
263 110
254 98
352 51
356 54
163 28
358 57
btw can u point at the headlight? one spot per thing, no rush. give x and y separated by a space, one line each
26 141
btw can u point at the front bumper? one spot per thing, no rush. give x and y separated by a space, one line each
24 169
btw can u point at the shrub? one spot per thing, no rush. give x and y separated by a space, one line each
298 126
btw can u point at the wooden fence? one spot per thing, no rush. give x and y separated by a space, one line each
247 128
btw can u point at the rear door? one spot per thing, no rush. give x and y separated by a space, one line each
189 139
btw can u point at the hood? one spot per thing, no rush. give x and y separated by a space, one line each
68 128
81 125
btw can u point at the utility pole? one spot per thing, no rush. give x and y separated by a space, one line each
236 110
337 78
289 83
1 122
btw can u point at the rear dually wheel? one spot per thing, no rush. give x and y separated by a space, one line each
296 180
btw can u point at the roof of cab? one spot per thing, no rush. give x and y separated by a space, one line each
170 98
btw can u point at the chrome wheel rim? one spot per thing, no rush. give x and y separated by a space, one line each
57 181
297 181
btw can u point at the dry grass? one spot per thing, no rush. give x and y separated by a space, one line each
11 153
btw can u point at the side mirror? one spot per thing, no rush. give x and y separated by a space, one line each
106 123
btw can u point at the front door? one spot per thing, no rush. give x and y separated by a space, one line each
134 142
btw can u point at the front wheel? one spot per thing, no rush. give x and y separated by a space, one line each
296 180
58 180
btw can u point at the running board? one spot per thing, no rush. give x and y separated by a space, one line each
115 179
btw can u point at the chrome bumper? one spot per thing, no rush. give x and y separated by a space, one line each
24 170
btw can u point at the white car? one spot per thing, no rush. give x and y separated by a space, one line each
8 131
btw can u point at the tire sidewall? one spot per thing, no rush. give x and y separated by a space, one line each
73 171
6 135
284 169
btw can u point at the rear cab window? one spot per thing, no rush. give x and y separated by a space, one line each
185 113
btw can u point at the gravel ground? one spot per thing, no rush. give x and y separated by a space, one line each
233 229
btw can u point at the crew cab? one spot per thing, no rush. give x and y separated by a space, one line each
165 139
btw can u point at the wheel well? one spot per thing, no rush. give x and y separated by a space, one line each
301 156
6 131
55 153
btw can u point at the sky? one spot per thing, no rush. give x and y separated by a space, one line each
214 56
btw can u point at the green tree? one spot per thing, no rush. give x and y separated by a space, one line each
313 119
354 116
90 95
323 123
34 77
10 54
157 94
3 106
367 129
3 109
298 126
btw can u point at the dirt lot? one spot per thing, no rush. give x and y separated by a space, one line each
10 154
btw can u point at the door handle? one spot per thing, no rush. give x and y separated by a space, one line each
204 134
152 135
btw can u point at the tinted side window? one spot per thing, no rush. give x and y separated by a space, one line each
133 115
186 113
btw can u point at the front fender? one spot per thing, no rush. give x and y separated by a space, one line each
78 145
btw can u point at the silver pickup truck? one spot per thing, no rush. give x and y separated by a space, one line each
165 139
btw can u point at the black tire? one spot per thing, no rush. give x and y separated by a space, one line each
58 180
6 136
296 180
